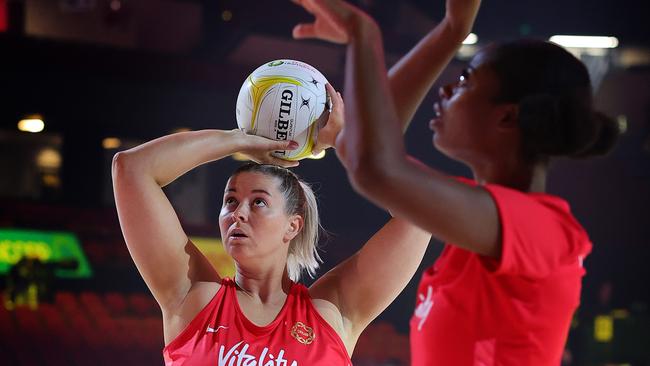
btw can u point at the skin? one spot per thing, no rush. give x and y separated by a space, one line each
349 296
470 128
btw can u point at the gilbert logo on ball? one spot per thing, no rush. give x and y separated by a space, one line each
284 100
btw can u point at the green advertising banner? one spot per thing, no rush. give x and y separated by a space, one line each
48 246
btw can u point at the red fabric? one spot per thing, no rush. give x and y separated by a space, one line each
473 310
221 335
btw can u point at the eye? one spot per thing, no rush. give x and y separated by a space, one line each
463 78
258 202
229 201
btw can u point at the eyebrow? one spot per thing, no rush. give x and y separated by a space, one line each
254 191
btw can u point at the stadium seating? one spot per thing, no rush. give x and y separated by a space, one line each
126 329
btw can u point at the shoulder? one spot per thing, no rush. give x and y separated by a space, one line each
540 202
327 309
331 314
198 298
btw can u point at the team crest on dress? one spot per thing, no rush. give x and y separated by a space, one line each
302 333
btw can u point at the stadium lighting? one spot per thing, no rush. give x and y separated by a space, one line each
585 41
622 123
48 158
471 38
33 124
226 15
111 143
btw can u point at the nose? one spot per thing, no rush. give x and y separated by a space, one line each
240 214
446 91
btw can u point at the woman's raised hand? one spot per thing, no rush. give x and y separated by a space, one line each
335 20
259 149
460 14
330 130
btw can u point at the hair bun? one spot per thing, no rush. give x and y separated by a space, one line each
606 137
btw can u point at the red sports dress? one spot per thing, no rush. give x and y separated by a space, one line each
221 335
472 310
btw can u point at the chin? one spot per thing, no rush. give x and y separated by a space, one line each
237 252
437 144
446 151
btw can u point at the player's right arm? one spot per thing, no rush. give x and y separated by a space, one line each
411 78
167 260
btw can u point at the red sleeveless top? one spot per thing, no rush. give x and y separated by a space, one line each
221 335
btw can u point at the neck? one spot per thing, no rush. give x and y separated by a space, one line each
512 173
265 285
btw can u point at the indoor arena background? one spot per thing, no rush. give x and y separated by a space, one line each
105 75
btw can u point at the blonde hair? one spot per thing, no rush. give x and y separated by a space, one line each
299 200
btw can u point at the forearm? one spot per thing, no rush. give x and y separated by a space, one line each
166 158
411 78
373 135
393 254
381 269
451 211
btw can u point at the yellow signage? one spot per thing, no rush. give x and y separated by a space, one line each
603 328
213 249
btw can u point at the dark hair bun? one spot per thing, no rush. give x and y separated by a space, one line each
605 138
546 125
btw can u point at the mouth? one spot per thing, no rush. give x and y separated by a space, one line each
237 234
437 120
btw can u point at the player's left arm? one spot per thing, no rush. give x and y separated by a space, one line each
362 286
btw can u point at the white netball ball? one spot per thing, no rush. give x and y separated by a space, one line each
284 100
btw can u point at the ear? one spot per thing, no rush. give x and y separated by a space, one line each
508 116
294 226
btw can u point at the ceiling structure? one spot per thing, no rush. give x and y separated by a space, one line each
214 44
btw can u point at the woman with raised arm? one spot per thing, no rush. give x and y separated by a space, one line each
269 225
505 288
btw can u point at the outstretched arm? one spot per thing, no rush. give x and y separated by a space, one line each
375 158
167 260
411 78
365 284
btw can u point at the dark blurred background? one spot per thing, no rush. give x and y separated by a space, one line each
105 75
